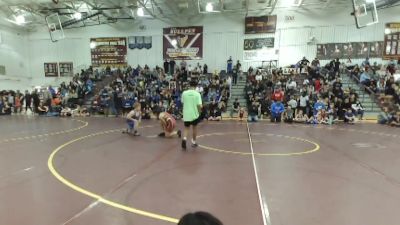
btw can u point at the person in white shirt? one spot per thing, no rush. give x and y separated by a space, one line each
291 84
259 77
303 102
292 102
200 89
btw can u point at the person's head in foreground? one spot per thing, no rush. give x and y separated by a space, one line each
199 218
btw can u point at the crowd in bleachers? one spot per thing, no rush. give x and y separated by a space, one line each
157 90
49 101
308 93
382 82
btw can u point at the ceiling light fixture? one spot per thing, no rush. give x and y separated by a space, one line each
20 19
78 15
209 7
140 11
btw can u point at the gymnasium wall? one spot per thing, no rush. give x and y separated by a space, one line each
13 55
223 37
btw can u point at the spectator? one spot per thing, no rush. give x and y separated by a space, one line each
235 107
229 67
349 117
277 109
289 115
199 218
253 112
365 79
358 110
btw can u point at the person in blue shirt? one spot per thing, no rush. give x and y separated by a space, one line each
319 105
365 79
366 62
229 65
277 108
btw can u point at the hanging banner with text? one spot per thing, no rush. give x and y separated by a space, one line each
260 25
260 55
183 43
140 42
392 41
353 50
108 52
258 43
259 49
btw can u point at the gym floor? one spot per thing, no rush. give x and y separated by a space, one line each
85 171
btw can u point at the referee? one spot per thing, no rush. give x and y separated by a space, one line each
191 100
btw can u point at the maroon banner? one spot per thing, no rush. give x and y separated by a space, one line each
183 43
108 52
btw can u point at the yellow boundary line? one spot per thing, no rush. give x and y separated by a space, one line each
97 197
316 145
85 124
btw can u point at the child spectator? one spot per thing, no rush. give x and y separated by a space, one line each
277 109
349 117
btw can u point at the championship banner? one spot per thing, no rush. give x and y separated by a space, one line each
354 50
108 51
392 41
140 42
183 43
258 43
260 25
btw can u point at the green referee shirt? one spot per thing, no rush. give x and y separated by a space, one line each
191 99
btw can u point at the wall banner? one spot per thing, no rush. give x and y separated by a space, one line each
140 42
353 50
261 55
108 52
183 43
392 41
258 43
51 69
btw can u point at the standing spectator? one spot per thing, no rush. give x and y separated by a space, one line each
172 64
337 66
235 75
166 66
229 67
28 101
183 65
238 66
365 63
303 64
36 101
205 69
